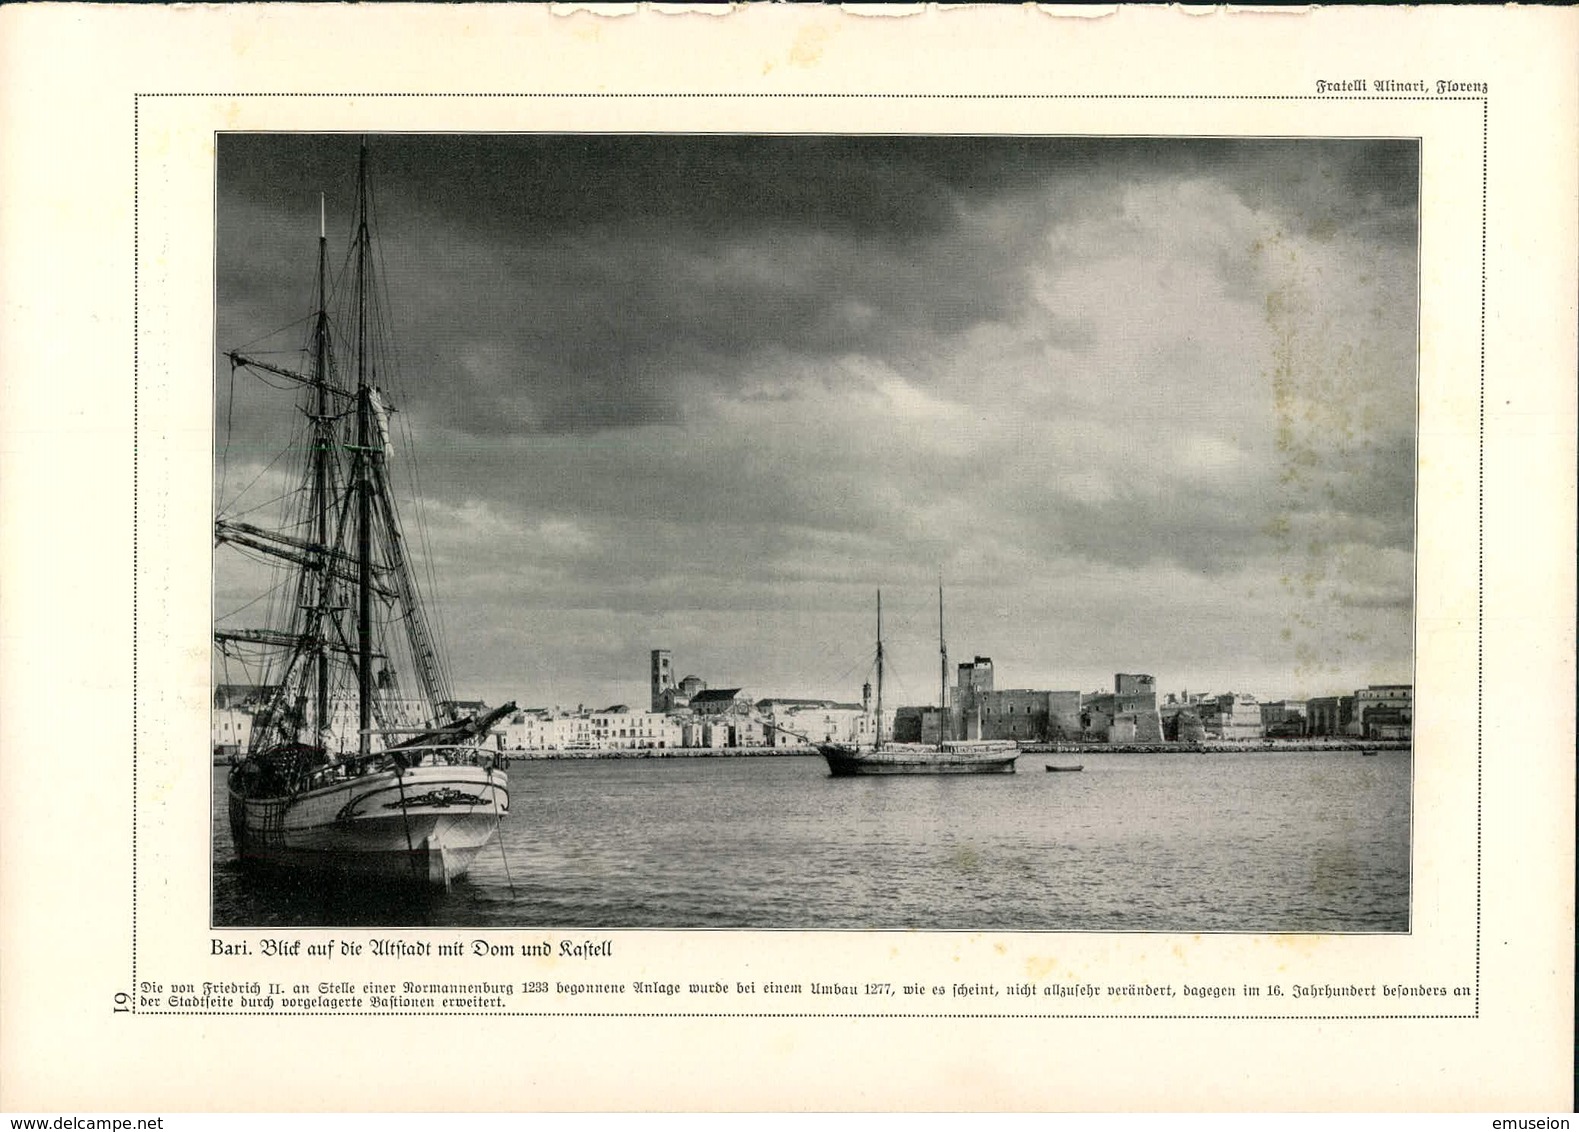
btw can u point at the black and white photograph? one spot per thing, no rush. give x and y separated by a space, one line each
815 531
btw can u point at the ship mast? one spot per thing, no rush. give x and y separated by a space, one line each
349 536
878 741
363 480
943 716
321 456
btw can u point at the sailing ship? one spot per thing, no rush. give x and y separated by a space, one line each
360 764
847 760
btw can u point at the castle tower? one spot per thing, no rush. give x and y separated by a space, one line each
662 677
975 679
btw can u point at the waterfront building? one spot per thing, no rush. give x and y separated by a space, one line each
574 732
400 714
907 724
1232 716
555 731
529 730
1183 725
1128 714
618 728
230 722
611 727
235 706
661 731
1172 708
1385 711
792 722
397 719
1022 713
981 711
720 701
677 698
460 709
230 730
973 680
1329 715
975 675
1283 719
748 731
773 706
246 697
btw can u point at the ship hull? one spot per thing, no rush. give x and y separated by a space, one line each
423 826
847 762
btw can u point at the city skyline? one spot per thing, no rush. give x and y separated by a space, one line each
1147 405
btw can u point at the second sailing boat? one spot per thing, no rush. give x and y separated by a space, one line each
944 757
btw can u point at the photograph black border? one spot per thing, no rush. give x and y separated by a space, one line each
138 433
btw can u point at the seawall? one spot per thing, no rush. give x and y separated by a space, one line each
1334 746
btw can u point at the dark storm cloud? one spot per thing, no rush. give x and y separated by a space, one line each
1323 187
633 327
570 284
529 186
566 285
898 185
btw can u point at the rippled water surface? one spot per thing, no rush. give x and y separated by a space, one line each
1286 842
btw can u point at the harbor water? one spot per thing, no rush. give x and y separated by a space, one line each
1177 842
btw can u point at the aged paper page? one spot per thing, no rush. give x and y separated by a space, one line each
139 143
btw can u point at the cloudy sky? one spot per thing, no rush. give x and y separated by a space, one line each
1147 404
